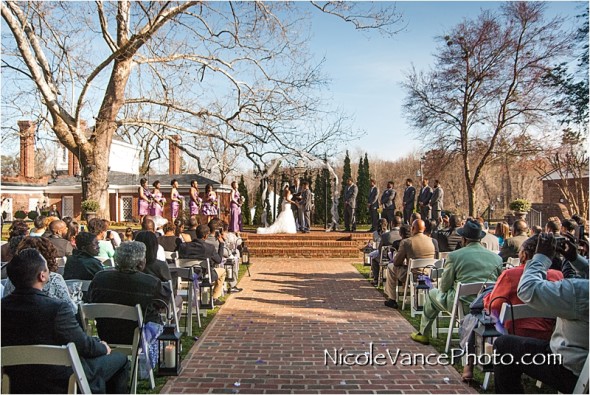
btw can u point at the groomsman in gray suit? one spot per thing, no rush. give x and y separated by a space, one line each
409 200
374 205
350 206
436 201
388 204
424 199
305 208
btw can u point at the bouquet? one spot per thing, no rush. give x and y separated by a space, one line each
161 202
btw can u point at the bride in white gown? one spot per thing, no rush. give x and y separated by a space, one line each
285 222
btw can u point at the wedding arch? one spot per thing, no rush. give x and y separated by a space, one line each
310 160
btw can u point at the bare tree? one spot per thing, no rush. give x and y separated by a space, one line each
486 85
190 68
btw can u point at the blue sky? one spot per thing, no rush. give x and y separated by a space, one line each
366 70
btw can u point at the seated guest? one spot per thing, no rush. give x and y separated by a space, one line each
149 225
152 265
502 232
470 264
18 228
169 241
111 235
105 247
215 226
553 225
417 246
193 222
428 230
73 229
568 301
405 231
381 228
536 229
59 229
505 291
512 244
31 317
129 286
128 236
56 286
82 264
40 228
386 239
179 231
568 226
489 240
448 238
201 250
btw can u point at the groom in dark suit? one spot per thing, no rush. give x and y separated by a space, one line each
296 190
30 317
305 207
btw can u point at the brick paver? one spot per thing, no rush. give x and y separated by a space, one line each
272 337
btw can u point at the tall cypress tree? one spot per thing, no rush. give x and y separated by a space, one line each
346 174
362 212
259 206
246 206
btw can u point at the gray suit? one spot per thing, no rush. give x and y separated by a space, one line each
424 202
388 203
436 201
350 207
373 206
305 210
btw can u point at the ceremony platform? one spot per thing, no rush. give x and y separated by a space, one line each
316 244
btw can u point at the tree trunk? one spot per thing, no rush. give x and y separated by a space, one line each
471 198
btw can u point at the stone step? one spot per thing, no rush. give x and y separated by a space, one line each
303 243
309 252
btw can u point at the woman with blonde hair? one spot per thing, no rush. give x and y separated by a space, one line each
502 232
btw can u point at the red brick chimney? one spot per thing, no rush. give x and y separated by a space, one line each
174 155
27 148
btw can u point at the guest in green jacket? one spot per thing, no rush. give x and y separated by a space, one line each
470 264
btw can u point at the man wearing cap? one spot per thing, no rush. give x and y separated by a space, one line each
470 264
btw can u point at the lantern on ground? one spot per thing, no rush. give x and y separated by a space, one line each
169 352
485 335
421 289
229 270
245 255
366 255
206 294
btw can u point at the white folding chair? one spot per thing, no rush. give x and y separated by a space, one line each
186 276
171 257
414 264
516 312
46 355
461 290
90 312
443 255
383 262
85 284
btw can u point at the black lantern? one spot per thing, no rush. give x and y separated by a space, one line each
366 257
229 269
169 352
206 294
245 255
420 293
485 335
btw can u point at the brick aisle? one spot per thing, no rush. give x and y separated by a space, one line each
271 337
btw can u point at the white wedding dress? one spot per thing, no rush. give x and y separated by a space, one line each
285 222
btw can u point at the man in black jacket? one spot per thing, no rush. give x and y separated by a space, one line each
83 264
31 317
200 249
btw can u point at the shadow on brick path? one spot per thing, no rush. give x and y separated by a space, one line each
293 319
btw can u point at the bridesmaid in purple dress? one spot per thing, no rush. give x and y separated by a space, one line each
210 204
145 199
175 200
235 209
159 200
196 201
